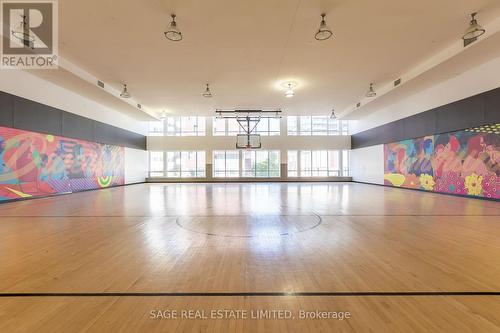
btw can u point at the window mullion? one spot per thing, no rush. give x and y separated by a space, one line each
225 163
341 162
164 163
240 163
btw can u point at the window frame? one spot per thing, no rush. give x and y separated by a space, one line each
177 123
178 173
229 128
243 170
305 126
305 164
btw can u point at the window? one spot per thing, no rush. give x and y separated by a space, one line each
291 125
178 126
268 127
177 164
173 164
155 128
293 163
226 127
315 163
316 125
185 164
305 126
156 164
260 163
230 127
246 163
319 125
226 163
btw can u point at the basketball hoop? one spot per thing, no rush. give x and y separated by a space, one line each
248 141
248 121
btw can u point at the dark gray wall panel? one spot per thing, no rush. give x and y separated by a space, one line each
492 107
74 126
470 112
32 116
394 131
116 136
24 114
6 110
460 115
419 125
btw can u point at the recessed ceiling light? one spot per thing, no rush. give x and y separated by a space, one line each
371 92
125 93
207 93
173 33
324 32
474 30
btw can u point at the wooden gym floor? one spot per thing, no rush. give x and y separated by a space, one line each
292 239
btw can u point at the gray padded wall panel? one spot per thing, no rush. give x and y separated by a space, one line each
74 126
6 110
492 107
460 115
32 116
420 123
470 112
21 113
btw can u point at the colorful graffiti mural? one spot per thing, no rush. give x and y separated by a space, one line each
34 164
465 162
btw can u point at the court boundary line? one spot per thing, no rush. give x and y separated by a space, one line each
256 294
288 233
249 215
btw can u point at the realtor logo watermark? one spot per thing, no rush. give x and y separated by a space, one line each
29 34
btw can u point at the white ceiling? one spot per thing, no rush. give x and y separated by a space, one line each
245 48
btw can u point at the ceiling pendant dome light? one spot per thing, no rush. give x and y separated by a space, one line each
333 115
324 32
20 33
289 93
474 30
371 92
173 33
207 93
125 93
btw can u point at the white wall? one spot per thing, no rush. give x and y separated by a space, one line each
26 85
31 87
472 82
367 164
136 165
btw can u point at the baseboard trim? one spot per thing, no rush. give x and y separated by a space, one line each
420 190
250 180
65 193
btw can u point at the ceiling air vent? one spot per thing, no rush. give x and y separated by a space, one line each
100 83
397 82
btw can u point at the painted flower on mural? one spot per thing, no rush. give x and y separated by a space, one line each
473 184
411 181
427 182
451 182
491 186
